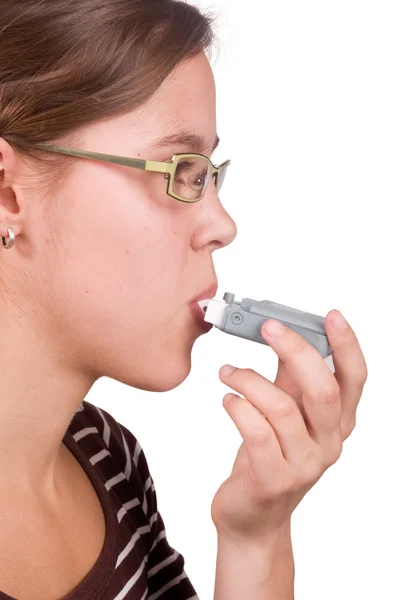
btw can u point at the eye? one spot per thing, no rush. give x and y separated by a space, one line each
198 179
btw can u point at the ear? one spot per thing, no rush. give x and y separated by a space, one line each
10 212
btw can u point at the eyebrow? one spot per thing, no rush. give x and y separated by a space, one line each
185 138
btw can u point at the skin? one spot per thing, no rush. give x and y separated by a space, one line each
77 328
100 278
293 430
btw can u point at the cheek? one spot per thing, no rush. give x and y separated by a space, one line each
122 267
115 288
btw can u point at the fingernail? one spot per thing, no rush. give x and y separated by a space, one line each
226 370
273 328
338 321
228 398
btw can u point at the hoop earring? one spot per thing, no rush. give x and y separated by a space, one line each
11 235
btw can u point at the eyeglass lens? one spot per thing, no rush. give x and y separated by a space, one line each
192 177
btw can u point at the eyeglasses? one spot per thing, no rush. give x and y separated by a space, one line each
188 175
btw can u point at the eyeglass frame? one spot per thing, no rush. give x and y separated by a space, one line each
145 165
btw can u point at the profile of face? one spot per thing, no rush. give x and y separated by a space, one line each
116 260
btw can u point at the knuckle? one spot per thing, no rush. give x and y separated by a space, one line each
285 409
300 348
331 395
311 470
360 384
358 387
334 453
258 438
348 426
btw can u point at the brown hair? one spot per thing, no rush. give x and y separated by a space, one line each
65 64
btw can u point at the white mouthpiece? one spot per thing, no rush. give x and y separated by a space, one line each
214 310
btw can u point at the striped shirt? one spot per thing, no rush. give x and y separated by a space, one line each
136 561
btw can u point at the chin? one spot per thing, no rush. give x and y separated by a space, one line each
162 377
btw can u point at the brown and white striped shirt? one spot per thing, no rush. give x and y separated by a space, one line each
136 561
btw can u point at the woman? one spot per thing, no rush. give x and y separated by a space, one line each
90 243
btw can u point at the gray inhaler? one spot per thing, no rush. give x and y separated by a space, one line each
245 319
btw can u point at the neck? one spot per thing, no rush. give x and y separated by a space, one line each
39 395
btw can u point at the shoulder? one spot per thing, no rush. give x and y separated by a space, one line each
122 444
107 439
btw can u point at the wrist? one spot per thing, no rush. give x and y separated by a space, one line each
275 539
265 567
273 550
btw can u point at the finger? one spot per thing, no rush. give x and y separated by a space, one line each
285 382
321 392
262 447
350 369
277 407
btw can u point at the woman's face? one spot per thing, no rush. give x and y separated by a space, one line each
122 260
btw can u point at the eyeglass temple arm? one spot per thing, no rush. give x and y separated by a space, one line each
138 163
145 165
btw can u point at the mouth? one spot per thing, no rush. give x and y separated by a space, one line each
208 293
199 315
197 311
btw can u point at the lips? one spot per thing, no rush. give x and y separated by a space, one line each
209 292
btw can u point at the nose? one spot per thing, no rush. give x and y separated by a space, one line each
214 225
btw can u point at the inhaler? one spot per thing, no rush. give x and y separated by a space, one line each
245 319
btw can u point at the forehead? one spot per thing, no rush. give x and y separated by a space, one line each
186 100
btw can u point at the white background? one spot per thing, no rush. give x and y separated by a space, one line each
307 108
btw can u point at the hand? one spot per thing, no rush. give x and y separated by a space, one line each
292 429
